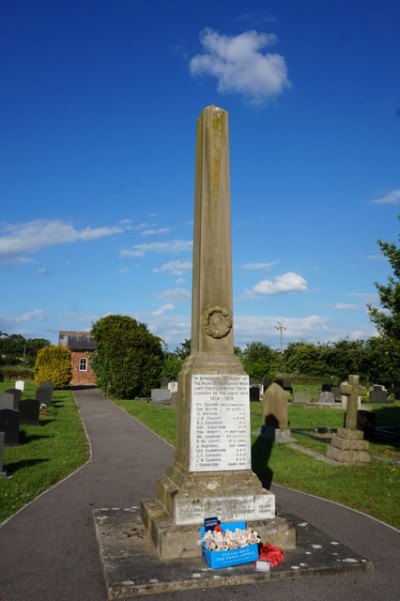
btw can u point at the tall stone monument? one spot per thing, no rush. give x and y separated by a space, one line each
211 474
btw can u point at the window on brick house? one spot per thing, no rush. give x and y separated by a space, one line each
83 364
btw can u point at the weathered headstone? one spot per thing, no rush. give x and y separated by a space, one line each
2 472
275 414
275 407
20 385
9 424
29 410
301 397
173 386
254 393
161 396
7 401
326 397
378 394
395 391
44 394
347 445
286 385
17 394
211 474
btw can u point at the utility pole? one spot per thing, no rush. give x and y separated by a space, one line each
280 328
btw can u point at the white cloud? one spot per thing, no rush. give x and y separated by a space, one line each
8 322
163 309
32 236
155 232
390 198
174 267
248 328
175 294
238 64
258 266
365 297
173 247
288 282
347 307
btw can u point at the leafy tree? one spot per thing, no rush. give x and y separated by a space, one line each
172 366
387 319
260 361
53 363
380 361
305 358
129 359
344 357
183 350
32 346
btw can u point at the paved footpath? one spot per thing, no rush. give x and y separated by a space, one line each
48 551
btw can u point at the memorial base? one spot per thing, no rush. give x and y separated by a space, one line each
183 542
184 500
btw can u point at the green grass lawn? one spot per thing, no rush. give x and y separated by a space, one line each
373 488
46 453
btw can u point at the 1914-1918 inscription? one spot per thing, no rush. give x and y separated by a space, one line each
220 423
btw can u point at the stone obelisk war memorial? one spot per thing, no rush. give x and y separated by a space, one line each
211 474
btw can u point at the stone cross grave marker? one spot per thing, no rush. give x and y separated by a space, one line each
348 444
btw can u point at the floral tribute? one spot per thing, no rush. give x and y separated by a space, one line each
217 540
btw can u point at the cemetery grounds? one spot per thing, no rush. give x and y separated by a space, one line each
48 453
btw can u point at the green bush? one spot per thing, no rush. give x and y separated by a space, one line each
129 359
53 363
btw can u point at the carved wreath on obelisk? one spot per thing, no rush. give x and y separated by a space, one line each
216 321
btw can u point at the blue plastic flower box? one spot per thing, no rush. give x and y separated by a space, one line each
232 557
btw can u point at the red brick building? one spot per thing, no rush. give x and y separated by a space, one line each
81 345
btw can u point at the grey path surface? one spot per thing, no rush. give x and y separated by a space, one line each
48 551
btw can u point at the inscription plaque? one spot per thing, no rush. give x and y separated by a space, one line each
220 423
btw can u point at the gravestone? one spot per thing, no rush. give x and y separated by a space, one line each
254 393
366 423
302 397
275 407
16 394
395 391
7 401
29 410
44 394
164 382
9 424
20 385
348 444
211 474
286 385
378 395
173 386
161 395
326 397
335 390
275 414
2 472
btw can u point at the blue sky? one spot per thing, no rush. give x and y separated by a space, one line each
99 102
